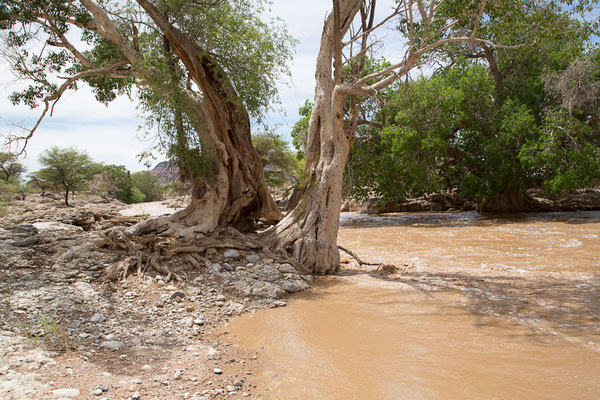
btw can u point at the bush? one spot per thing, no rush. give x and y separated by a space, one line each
148 184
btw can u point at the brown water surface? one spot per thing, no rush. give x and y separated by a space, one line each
485 308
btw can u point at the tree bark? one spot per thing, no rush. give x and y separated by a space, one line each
235 191
509 202
308 233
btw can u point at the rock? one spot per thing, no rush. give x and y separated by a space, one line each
136 395
218 371
112 344
228 267
198 322
231 253
215 268
177 374
98 318
294 286
268 273
189 322
66 393
177 296
252 258
230 388
287 269
147 367
97 392
266 290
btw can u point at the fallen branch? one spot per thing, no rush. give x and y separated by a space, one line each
353 255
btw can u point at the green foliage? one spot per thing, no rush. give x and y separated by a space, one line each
67 168
279 163
115 180
147 185
494 120
300 128
10 169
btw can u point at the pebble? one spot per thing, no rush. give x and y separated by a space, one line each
231 253
252 258
98 318
228 267
97 392
112 344
177 374
218 371
147 367
135 395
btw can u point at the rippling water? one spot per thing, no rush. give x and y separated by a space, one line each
484 308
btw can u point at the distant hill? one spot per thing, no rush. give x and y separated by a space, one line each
167 172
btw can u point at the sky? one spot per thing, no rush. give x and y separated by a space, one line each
111 134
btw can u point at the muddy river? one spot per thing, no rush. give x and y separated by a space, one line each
483 308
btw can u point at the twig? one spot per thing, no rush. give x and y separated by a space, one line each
353 255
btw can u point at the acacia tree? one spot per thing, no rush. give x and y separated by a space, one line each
10 168
309 231
211 89
68 168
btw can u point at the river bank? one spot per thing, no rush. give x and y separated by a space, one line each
69 332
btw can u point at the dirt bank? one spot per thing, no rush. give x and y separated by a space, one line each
66 332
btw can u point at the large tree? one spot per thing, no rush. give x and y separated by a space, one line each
309 232
205 66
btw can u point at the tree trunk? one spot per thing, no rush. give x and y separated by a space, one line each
67 197
235 191
309 232
509 202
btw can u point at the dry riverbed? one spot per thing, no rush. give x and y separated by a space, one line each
65 333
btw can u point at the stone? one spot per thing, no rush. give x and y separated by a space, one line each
230 388
177 374
268 273
267 290
177 296
252 258
136 395
97 392
231 253
112 344
287 269
218 371
215 268
147 367
228 267
98 318
294 286
66 393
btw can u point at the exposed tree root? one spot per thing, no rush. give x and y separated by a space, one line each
173 256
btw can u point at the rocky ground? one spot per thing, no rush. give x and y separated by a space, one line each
68 333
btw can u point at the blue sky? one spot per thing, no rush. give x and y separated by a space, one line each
111 135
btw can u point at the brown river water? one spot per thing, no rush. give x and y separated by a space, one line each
483 308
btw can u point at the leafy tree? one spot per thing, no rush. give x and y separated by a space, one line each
148 184
279 162
203 69
68 168
10 169
116 180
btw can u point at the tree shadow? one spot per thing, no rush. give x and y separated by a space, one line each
553 305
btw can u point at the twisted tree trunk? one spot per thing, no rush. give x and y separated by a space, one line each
233 192
308 233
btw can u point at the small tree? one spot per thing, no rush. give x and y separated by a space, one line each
10 169
148 183
279 163
68 168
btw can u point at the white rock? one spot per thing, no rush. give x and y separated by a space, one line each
68 393
231 253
